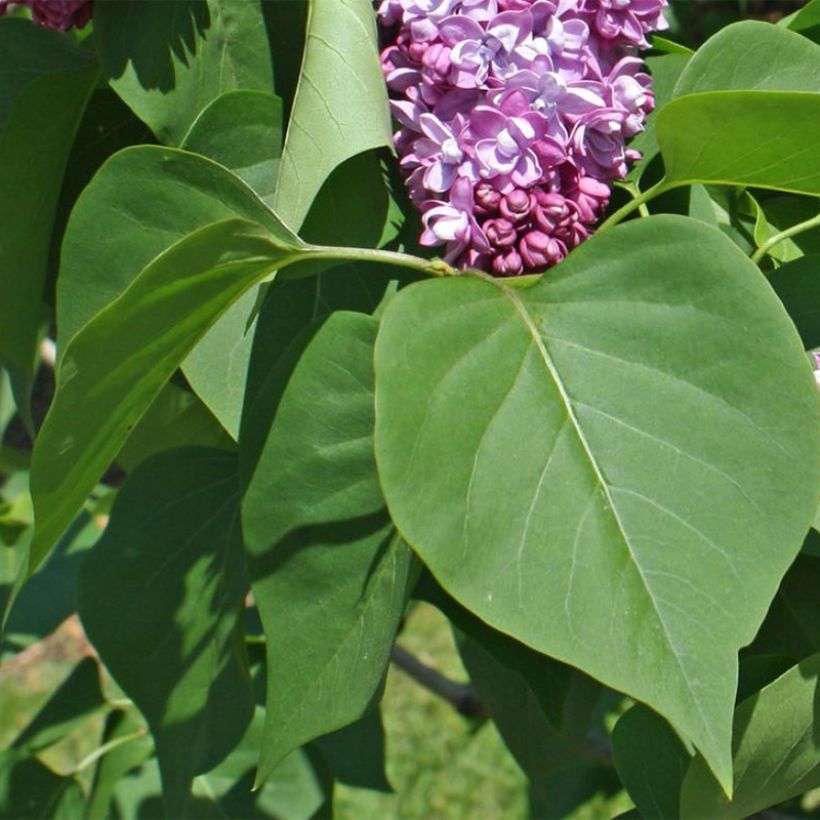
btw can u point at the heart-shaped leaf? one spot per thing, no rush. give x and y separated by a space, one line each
592 457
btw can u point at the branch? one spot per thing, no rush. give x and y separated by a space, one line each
460 696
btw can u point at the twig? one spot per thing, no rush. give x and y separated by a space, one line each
459 695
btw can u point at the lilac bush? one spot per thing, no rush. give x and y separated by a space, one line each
514 119
57 14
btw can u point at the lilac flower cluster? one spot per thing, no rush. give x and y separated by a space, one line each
514 116
56 14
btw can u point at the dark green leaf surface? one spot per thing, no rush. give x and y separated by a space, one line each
130 746
45 83
243 131
600 430
715 138
177 418
178 57
28 788
797 283
548 679
329 574
356 754
776 750
651 762
159 598
792 626
115 367
529 735
340 108
293 790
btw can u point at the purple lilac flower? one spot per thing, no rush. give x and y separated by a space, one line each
56 14
514 116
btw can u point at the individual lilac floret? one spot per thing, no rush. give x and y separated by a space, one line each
514 119
57 14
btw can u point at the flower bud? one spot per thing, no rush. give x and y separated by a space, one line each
540 251
500 232
515 206
487 199
508 263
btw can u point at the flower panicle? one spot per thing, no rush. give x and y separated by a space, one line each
55 14
514 117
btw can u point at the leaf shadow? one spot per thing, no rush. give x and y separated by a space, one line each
174 33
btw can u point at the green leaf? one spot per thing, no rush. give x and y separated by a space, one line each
195 192
77 698
129 746
341 105
294 789
140 203
28 788
651 761
529 735
723 64
178 57
665 71
807 20
798 285
792 626
329 574
45 83
159 597
709 136
177 418
715 138
776 750
48 598
112 370
356 754
548 679
243 131
536 446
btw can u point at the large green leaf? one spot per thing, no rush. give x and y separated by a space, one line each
45 83
651 761
340 108
715 138
113 369
329 574
141 202
178 57
722 63
599 431
776 749
159 597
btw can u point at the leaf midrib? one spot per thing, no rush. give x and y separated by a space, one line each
532 329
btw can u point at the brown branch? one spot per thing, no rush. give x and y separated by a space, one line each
461 696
